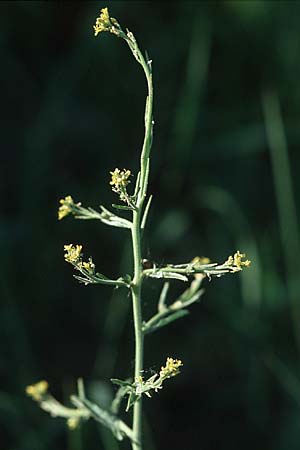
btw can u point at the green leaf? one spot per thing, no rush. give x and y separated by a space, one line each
146 211
126 279
126 208
113 220
116 425
101 276
132 398
164 274
194 298
165 321
85 281
185 301
162 298
121 382
120 394
137 184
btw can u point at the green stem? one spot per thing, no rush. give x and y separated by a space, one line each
148 132
137 317
147 144
141 188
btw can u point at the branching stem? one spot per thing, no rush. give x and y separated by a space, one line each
136 241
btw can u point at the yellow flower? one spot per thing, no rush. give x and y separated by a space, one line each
38 390
119 179
66 207
237 262
171 368
73 253
89 266
73 422
106 23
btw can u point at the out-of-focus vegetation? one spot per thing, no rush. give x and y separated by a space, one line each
225 165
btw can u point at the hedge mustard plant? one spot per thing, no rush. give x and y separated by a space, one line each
138 203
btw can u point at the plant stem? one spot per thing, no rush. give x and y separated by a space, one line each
141 189
137 317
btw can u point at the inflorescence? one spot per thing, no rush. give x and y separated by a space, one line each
106 23
119 179
38 390
171 368
67 207
236 261
73 256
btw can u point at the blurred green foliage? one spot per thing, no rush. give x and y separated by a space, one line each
72 109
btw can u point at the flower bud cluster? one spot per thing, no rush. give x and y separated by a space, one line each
38 390
106 23
236 261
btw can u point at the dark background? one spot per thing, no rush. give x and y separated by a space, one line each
71 111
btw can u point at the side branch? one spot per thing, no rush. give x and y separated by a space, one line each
233 264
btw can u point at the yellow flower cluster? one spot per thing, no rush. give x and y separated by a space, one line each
38 390
67 205
171 368
119 179
237 262
106 23
73 256
73 253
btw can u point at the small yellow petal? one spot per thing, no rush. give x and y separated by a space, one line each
36 391
236 261
106 23
171 368
66 207
119 178
73 422
73 253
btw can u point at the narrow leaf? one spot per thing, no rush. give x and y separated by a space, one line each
85 281
132 398
162 298
112 219
80 388
126 208
120 382
194 298
137 184
103 277
146 211
183 302
120 394
165 321
116 425
173 275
